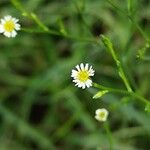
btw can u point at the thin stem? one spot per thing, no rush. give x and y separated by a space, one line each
108 132
44 28
108 44
145 36
52 32
80 13
133 94
129 6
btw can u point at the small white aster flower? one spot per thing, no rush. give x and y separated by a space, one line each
81 76
9 26
101 114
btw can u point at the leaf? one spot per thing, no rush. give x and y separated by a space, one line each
39 22
62 27
100 94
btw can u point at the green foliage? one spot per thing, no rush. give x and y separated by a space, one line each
100 94
40 108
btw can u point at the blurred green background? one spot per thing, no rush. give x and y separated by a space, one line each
40 108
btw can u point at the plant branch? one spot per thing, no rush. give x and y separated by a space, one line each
145 36
133 94
44 28
108 44
108 132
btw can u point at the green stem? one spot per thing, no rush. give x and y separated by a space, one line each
145 36
52 32
129 6
108 44
133 94
80 13
44 28
140 29
108 132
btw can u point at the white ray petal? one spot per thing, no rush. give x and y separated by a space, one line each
8 34
78 68
13 34
7 18
82 66
1 28
86 66
17 26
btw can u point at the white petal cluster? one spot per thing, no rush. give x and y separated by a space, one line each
81 75
101 114
9 26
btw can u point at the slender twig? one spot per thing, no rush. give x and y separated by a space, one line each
129 6
108 44
108 132
114 90
44 28
53 32
145 36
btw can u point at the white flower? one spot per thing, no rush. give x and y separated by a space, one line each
101 114
81 76
9 26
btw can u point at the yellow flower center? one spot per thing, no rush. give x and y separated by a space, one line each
83 76
102 115
9 26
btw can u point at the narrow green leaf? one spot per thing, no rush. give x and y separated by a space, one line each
108 44
100 94
62 27
18 5
39 22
